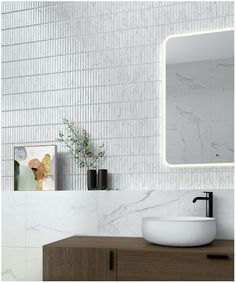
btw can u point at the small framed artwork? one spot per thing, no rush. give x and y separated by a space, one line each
35 168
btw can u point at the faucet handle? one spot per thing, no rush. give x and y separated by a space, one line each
210 194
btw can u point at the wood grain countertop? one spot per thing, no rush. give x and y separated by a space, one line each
139 244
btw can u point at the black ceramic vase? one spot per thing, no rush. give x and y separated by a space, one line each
92 179
102 179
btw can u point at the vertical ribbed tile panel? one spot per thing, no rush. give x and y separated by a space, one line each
99 64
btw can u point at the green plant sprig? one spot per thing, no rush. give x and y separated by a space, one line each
80 146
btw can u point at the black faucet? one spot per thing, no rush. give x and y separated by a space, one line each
209 203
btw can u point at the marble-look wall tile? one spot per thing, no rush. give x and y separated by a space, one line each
34 264
13 218
121 213
224 213
69 59
223 209
186 205
13 264
52 216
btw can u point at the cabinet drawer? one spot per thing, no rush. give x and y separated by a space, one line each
76 264
173 266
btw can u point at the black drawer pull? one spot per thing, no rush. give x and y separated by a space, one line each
215 256
111 260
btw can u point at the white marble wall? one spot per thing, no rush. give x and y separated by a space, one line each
200 112
32 219
98 63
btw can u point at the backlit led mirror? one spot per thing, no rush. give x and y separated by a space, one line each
199 98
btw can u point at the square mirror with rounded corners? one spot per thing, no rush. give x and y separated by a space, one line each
199 99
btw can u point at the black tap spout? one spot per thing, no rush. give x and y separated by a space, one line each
200 198
209 203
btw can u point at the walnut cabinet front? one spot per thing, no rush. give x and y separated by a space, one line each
126 259
72 264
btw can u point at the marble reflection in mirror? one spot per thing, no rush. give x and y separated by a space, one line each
200 98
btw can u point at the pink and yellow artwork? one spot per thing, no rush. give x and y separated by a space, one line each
35 168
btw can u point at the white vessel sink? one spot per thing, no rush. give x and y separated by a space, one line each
179 231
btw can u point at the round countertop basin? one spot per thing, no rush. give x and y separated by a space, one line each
179 231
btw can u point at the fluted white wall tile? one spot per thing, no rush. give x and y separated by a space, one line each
100 65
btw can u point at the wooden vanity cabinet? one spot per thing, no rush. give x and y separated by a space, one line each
72 264
172 266
133 259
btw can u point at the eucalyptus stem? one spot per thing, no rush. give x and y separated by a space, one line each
80 145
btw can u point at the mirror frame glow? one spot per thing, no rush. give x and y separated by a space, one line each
164 102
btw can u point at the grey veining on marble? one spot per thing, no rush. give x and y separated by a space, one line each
55 215
88 61
13 264
51 216
187 82
200 99
120 213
